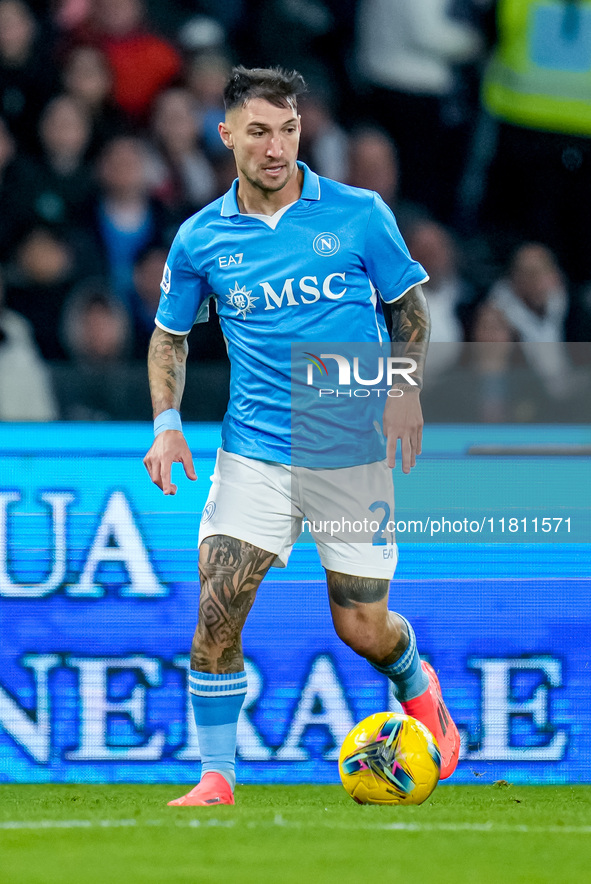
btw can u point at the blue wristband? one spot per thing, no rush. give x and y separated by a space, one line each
168 420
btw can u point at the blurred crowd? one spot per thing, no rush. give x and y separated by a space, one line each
108 141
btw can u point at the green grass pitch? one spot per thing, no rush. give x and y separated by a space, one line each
52 834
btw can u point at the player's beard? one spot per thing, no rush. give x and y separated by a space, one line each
262 186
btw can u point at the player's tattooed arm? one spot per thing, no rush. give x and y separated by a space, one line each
411 328
403 417
230 572
167 359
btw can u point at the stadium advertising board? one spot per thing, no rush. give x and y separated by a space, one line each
98 597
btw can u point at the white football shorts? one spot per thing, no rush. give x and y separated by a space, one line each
348 512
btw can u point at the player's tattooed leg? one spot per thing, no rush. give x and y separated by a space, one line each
230 572
359 607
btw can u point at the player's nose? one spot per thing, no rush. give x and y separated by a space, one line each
275 146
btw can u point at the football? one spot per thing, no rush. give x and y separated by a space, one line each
389 758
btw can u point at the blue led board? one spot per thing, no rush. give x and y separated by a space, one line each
98 598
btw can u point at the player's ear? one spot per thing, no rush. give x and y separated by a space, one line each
226 136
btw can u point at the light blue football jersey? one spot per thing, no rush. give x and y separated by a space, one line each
314 277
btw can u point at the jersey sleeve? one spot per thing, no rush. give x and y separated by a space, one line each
387 260
184 293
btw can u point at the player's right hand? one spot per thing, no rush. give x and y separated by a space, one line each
168 447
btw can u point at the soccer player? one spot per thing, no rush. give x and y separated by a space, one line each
288 257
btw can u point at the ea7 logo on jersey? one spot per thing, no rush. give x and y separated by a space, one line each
165 284
230 260
326 244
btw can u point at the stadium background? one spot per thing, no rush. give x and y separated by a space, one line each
97 570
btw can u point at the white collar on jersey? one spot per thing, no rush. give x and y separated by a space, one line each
310 191
272 220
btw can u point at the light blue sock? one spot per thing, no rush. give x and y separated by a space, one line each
406 674
217 701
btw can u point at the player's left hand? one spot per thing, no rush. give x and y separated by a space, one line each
403 419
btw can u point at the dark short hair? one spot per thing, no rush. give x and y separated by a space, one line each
275 85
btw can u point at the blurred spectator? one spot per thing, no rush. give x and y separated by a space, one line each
17 193
373 163
25 385
97 334
324 143
538 86
206 342
179 173
8 190
27 74
61 177
529 306
202 33
231 20
147 274
207 74
51 189
143 63
448 295
69 14
125 218
491 357
532 297
37 283
405 54
579 321
95 326
87 77
314 37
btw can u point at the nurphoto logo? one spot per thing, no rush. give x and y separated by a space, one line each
388 370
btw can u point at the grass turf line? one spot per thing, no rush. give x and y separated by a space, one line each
286 834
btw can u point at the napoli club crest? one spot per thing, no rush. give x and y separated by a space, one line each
208 512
